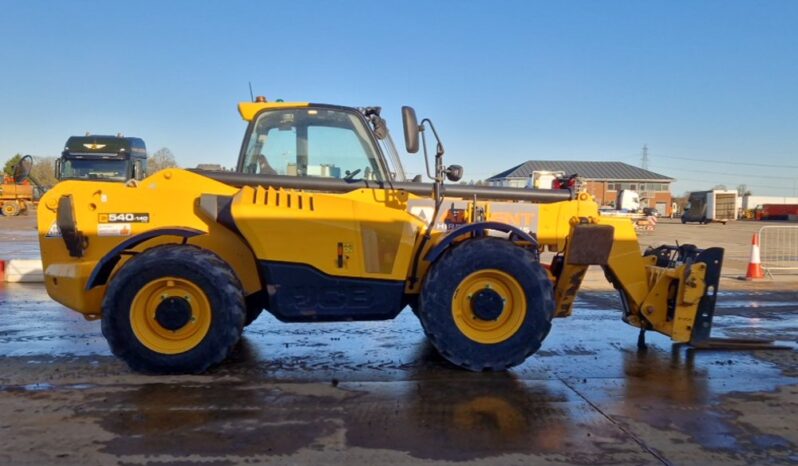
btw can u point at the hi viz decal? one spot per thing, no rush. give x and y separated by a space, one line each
114 229
124 217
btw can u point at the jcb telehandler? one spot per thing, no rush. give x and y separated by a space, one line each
320 224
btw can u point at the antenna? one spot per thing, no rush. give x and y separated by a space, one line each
251 94
644 158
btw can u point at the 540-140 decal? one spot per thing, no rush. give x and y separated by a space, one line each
124 217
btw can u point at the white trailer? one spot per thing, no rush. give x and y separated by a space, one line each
717 205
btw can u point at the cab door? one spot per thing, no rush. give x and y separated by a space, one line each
326 256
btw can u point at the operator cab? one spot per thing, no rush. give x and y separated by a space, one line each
102 158
317 140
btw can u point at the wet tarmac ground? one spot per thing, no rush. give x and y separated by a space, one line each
377 393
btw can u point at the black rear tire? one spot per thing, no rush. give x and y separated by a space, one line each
199 268
451 274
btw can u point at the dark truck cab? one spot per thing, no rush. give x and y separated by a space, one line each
102 158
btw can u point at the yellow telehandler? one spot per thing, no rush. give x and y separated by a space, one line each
319 223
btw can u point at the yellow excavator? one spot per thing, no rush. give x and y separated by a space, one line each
319 223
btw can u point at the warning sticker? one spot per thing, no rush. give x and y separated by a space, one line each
53 232
114 229
124 217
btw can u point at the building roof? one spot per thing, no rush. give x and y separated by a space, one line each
588 170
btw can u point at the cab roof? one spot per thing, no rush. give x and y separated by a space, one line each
248 110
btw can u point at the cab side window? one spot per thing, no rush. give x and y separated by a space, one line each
337 152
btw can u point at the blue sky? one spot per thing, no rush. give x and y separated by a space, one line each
504 82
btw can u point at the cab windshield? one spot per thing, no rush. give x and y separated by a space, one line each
103 169
318 142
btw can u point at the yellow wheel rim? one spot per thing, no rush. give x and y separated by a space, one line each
513 307
150 331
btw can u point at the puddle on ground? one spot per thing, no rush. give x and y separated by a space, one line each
587 396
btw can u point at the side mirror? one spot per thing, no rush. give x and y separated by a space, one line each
454 173
22 169
411 129
58 169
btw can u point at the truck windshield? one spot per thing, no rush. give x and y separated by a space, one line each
320 142
102 169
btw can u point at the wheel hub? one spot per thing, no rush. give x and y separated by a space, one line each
173 313
486 304
489 306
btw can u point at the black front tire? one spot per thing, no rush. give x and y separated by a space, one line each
438 293
203 269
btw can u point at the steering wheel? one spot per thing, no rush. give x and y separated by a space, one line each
350 175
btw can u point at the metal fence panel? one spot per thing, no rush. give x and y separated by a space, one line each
779 248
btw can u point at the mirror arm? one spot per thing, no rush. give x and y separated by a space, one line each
439 151
424 144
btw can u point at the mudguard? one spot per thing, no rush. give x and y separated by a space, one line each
478 229
99 276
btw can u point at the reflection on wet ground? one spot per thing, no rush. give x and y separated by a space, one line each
376 392
19 238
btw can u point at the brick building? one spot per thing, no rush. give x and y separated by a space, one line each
603 180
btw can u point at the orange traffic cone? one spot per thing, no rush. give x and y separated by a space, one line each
755 270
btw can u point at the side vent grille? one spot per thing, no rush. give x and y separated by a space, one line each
295 200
